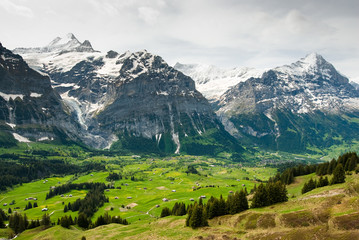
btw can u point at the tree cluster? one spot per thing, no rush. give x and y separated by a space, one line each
287 176
191 169
271 193
19 223
94 199
311 184
113 177
348 160
179 209
107 219
29 205
338 177
3 217
65 188
197 215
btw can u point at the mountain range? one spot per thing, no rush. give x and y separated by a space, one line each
132 101
136 101
307 104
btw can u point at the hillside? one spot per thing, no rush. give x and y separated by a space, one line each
328 212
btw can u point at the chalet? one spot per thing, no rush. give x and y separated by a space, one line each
191 199
116 197
62 195
107 190
230 191
70 195
129 197
173 190
5 204
157 206
165 199
44 209
203 196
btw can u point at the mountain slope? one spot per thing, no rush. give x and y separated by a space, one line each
212 81
135 99
30 109
293 107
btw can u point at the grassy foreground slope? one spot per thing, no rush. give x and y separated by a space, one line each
330 212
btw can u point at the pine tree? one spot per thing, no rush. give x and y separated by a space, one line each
243 202
338 174
260 198
45 220
2 224
331 166
352 163
82 221
165 212
198 218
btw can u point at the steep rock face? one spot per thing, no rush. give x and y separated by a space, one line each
305 104
29 108
135 100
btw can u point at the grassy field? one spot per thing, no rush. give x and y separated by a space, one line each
325 213
156 178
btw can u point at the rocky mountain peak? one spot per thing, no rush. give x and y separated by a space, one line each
67 43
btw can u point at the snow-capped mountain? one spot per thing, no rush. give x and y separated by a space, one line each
293 106
355 85
132 98
30 110
213 81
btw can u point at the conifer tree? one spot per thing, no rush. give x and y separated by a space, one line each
260 198
165 212
45 220
82 221
2 224
331 166
338 174
243 202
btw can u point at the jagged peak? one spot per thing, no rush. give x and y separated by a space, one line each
313 59
64 40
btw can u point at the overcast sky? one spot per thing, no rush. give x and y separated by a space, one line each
226 33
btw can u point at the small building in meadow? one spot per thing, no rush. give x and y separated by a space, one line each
165 200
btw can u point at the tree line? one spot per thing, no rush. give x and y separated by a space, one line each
199 213
338 177
84 222
348 160
21 171
19 223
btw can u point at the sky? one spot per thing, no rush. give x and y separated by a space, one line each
225 33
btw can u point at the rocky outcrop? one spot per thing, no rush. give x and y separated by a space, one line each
29 107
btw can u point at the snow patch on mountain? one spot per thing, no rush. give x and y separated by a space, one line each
213 81
20 138
12 96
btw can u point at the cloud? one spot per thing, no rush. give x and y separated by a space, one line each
148 14
13 8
